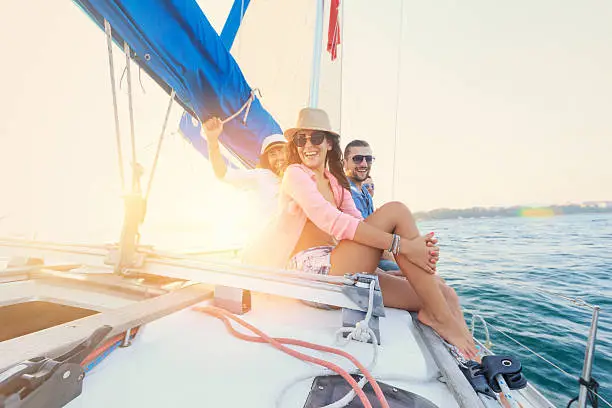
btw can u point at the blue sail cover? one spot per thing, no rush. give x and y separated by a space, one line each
175 43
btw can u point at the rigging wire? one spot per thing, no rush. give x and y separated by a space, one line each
159 145
109 41
126 49
397 100
572 376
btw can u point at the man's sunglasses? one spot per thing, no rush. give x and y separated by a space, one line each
316 138
358 158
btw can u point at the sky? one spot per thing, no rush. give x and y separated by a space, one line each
473 103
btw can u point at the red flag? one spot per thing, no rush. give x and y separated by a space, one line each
333 35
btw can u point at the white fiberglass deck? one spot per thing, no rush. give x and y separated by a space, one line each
189 359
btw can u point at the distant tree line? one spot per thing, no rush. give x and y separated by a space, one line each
516 211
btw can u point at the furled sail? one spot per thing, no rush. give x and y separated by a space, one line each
276 57
174 43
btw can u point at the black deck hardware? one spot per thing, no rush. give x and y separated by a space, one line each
328 389
509 367
592 392
475 375
44 382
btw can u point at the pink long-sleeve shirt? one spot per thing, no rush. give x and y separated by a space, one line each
300 200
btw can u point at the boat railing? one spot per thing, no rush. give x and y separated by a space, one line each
585 380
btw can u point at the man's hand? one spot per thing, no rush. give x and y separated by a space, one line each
213 128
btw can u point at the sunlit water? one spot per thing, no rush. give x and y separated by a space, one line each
489 262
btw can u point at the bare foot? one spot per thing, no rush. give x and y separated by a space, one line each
452 332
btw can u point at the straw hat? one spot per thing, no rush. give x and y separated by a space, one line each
311 119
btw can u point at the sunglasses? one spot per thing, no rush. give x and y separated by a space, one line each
316 138
358 158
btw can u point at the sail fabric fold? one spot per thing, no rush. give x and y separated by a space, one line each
173 41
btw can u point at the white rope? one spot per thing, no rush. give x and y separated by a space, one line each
247 106
360 332
109 43
159 145
475 316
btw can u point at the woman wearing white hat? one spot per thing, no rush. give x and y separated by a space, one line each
319 230
262 183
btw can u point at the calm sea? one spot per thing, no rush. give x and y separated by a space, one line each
496 265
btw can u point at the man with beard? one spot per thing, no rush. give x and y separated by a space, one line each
358 161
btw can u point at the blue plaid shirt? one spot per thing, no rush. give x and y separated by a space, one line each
363 200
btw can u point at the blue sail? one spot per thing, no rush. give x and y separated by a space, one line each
176 45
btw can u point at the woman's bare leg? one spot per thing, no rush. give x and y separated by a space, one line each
452 300
420 293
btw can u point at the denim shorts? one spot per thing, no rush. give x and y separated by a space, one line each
315 260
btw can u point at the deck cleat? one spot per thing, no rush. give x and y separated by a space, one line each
359 292
43 382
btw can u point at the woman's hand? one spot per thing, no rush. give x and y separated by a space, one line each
421 251
431 241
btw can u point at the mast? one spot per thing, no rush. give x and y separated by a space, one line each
315 74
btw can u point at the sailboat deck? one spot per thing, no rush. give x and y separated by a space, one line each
188 359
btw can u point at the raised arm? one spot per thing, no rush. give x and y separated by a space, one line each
213 128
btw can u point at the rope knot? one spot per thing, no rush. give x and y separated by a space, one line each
361 332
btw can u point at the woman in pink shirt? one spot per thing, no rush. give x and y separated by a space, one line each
319 230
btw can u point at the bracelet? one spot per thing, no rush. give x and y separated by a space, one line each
392 243
394 249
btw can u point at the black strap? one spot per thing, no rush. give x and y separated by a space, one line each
593 390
